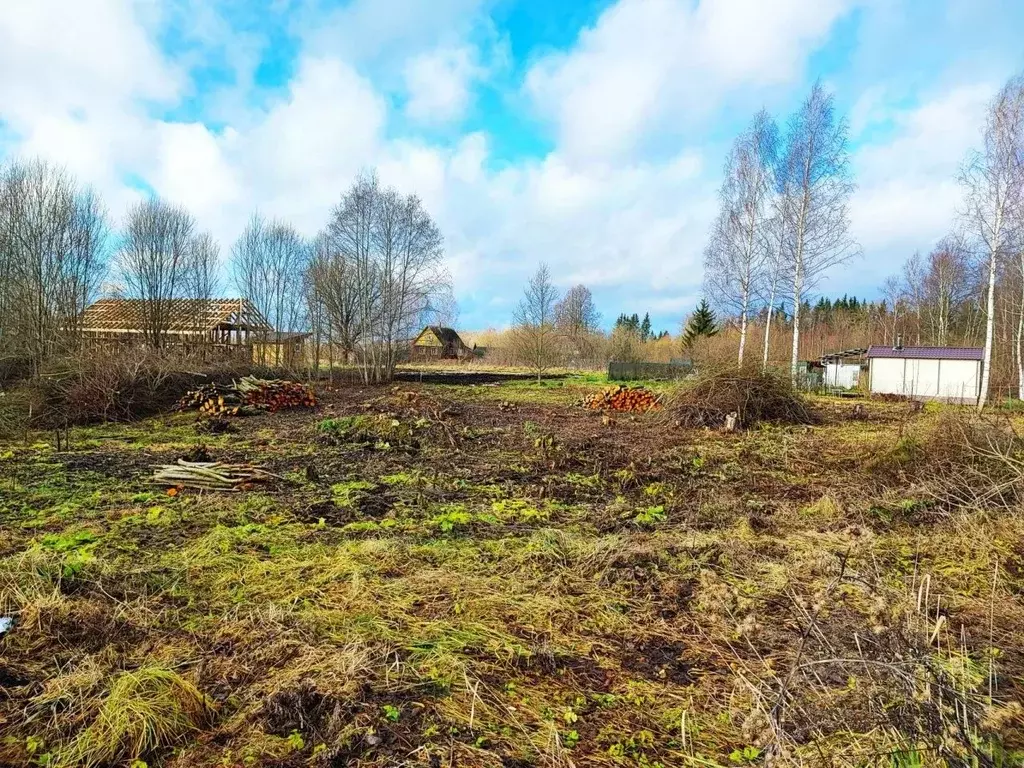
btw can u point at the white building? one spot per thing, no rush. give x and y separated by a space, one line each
926 373
842 369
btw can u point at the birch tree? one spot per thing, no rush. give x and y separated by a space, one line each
993 178
815 194
776 253
1017 262
735 257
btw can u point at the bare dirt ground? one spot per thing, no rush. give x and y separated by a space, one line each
494 576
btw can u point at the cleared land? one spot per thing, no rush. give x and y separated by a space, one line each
495 576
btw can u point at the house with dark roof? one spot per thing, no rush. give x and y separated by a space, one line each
436 342
952 374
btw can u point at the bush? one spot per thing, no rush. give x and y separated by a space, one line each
971 462
100 388
754 396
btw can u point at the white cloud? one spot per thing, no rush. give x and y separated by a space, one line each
58 56
907 191
647 65
385 31
908 196
438 84
73 80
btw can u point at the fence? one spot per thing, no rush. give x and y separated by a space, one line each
632 371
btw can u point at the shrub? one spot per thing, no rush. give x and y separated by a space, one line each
119 387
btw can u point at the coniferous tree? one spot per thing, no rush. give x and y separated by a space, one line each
702 324
645 327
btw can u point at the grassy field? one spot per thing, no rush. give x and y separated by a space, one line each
494 576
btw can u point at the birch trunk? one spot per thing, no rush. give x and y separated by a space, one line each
743 332
1020 335
990 316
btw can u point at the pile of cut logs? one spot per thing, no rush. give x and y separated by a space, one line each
246 396
622 398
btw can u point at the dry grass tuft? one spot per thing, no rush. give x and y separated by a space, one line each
144 710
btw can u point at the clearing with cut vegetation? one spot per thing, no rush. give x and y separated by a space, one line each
452 575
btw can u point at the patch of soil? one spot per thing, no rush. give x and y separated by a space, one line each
305 709
327 511
217 425
376 503
658 660
116 464
12 677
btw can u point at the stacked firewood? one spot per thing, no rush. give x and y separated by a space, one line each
275 394
246 396
622 398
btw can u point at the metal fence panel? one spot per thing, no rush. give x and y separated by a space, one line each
618 371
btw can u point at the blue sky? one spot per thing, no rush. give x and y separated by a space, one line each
589 135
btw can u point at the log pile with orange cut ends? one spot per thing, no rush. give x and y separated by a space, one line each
623 398
246 396
275 394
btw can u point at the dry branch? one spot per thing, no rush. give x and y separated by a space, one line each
211 475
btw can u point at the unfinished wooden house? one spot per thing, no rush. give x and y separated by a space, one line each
436 342
227 325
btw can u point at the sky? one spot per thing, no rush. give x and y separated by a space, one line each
587 134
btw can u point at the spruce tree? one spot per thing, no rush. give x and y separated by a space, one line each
645 327
702 323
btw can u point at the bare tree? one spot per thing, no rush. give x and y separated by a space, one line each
89 259
53 255
577 319
535 338
913 291
201 278
894 297
993 179
948 286
1016 262
445 311
392 253
735 256
269 263
816 188
156 245
334 284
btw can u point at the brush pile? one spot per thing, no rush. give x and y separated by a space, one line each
753 397
623 398
210 476
246 396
